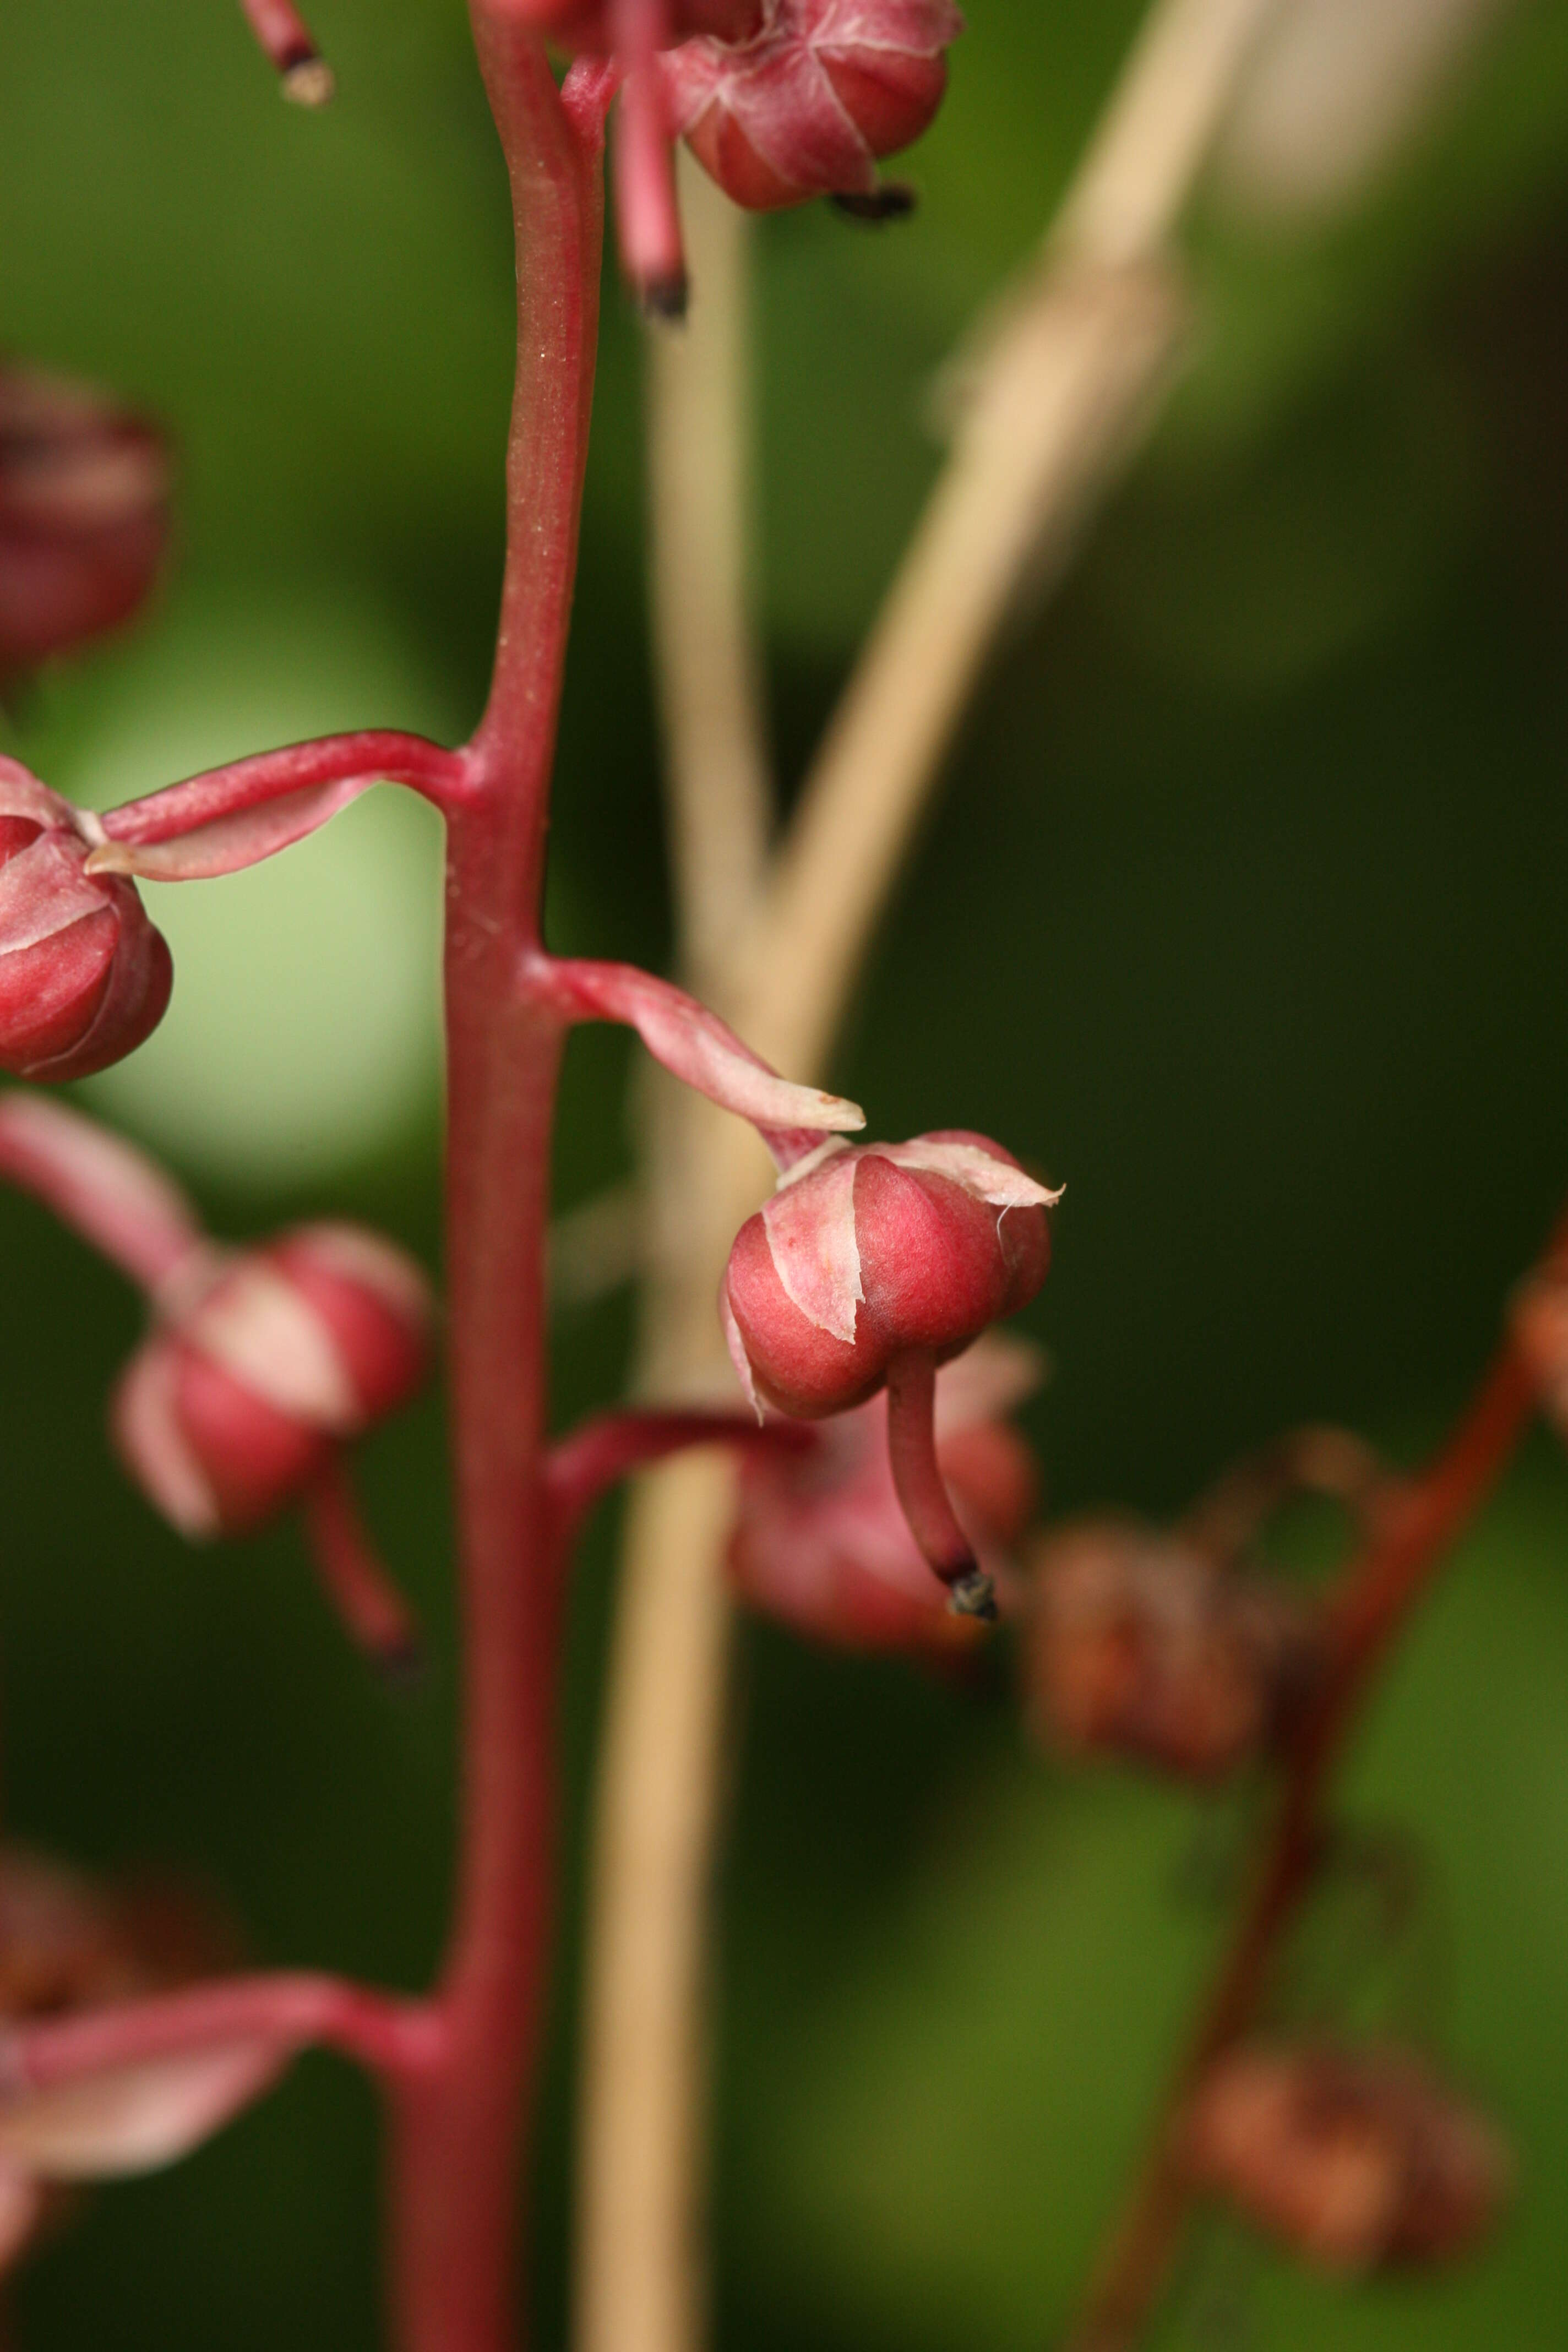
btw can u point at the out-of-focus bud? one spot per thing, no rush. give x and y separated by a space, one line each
1541 1333
264 1363
1358 2158
83 515
1140 1646
84 977
867 1250
808 106
68 1945
822 1542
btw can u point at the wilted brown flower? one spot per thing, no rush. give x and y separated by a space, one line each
1139 1645
1358 2158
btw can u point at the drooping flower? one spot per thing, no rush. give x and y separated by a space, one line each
821 1542
68 1946
1358 2158
263 1363
866 1250
1142 1645
84 976
871 1265
812 103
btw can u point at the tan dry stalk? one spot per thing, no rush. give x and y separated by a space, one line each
1052 404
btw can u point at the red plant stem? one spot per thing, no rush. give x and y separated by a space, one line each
599 1453
700 1050
359 1586
100 1186
392 2037
280 30
378 755
458 2129
1375 1600
922 1488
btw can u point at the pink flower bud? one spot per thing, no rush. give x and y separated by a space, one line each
68 1946
1142 1646
83 516
84 977
807 107
821 1540
1359 2159
272 1359
867 1250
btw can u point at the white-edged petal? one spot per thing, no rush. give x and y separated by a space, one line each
132 2119
738 1355
817 1256
229 843
259 1327
987 1177
147 1432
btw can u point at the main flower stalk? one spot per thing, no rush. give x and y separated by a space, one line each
459 2121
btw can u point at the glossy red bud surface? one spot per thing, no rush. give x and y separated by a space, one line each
239 1401
84 977
876 1250
808 107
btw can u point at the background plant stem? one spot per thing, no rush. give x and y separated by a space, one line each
1049 409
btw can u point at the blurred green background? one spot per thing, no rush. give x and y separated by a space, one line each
1241 911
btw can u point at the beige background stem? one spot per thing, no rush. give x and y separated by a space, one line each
1051 404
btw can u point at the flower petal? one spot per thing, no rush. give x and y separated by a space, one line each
987 1177
229 843
811 1232
133 2118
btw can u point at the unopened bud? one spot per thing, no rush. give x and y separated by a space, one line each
1358 2158
821 1540
83 516
68 1945
84 977
867 1250
240 1398
809 105
1140 1646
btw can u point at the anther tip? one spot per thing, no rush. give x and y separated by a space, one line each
307 81
874 207
974 1594
666 299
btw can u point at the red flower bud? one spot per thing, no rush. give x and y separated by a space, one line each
83 515
807 107
69 1945
869 1251
1140 1646
1359 2159
84 977
821 1540
260 1370
872 1265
